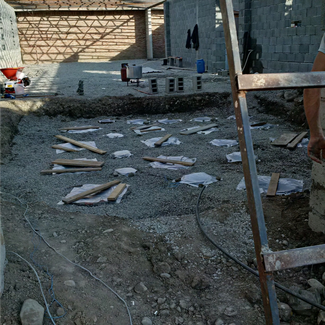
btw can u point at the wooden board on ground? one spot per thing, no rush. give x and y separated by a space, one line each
141 127
198 129
295 141
79 128
162 140
116 192
78 163
79 144
57 146
271 191
284 139
149 130
162 160
70 170
96 189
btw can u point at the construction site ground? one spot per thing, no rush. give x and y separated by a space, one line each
146 252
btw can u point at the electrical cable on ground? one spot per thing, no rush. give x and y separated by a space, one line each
75 264
197 211
40 284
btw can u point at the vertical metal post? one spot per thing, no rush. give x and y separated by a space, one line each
249 166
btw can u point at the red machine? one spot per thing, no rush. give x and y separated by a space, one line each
124 72
17 81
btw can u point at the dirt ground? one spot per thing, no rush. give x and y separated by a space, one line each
146 253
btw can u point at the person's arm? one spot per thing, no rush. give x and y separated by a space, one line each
316 145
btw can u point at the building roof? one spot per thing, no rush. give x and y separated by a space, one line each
33 5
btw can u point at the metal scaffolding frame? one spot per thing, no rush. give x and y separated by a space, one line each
267 261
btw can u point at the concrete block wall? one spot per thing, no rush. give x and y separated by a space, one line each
77 36
284 48
10 55
183 15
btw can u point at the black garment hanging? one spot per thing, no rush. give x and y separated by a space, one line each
188 40
195 37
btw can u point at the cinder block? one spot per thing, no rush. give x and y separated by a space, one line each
179 84
153 85
197 83
170 85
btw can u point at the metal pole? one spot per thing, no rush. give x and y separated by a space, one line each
249 166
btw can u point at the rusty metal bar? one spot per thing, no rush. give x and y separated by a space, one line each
276 261
246 147
275 81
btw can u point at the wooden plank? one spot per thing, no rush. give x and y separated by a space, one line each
116 192
79 144
88 192
284 139
198 129
162 160
141 127
162 140
56 146
293 144
79 128
271 191
147 130
70 170
78 163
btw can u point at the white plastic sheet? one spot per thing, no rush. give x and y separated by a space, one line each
96 198
170 166
83 131
223 143
266 126
151 142
286 186
205 132
235 157
71 146
136 121
167 121
122 154
201 119
114 135
126 171
197 179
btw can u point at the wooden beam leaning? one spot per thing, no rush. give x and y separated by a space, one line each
79 144
162 140
276 261
166 161
96 189
199 128
70 170
116 192
78 163
271 191
275 81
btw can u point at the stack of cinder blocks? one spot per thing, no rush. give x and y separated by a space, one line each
153 85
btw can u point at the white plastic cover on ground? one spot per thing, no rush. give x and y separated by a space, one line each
96 198
122 154
200 132
201 119
72 146
81 131
108 120
223 143
167 121
286 186
150 70
304 143
136 121
59 167
151 142
266 126
235 157
197 179
114 135
126 171
141 132
171 166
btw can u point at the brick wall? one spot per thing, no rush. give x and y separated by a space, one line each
51 36
284 48
10 55
183 15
